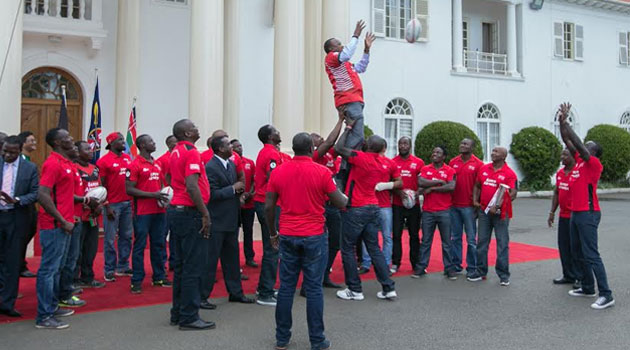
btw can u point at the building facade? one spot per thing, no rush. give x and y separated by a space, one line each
496 66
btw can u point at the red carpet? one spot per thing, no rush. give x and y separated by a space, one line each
116 294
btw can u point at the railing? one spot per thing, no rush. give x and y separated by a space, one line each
81 10
485 62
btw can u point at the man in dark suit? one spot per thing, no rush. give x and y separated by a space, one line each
18 190
224 208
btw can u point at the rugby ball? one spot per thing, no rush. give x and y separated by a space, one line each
100 193
413 30
169 193
409 200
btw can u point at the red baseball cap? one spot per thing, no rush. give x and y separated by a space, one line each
111 138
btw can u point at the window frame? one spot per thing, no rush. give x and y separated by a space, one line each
392 145
414 4
625 124
487 121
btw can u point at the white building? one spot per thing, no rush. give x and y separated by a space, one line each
495 65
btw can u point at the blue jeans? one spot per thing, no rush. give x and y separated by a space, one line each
463 218
54 244
188 264
269 265
69 263
386 232
122 226
501 231
309 255
362 222
153 226
584 234
441 219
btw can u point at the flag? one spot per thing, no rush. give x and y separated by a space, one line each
63 111
94 135
132 150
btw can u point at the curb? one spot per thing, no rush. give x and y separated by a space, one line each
542 194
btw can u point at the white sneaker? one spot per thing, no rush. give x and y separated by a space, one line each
580 293
347 294
603 303
393 269
389 295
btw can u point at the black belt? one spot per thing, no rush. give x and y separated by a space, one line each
184 208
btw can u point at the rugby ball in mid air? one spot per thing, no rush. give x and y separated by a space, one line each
413 30
100 193
409 200
168 191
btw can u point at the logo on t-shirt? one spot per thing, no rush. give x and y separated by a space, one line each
272 164
128 174
413 165
194 166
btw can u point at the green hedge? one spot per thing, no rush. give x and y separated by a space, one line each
367 131
615 143
447 134
537 151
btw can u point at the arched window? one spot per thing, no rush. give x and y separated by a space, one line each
398 123
624 122
46 84
556 124
488 128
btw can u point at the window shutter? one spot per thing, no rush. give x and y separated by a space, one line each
623 48
422 14
558 39
378 17
579 42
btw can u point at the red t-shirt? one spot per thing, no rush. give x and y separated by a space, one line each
365 173
564 195
238 163
583 184
249 168
148 177
58 174
437 201
269 158
113 169
302 208
344 79
389 171
328 160
466 176
79 190
91 179
490 181
186 161
163 162
409 170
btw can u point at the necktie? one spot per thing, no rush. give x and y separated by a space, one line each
7 181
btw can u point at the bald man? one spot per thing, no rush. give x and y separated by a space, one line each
494 191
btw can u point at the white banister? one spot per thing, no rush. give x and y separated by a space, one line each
97 11
46 7
82 9
58 5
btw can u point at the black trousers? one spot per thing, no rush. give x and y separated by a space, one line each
247 221
29 233
84 272
568 261
10 253
410 217
333 226
224 246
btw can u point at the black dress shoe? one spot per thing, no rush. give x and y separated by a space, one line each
206 305
563 280
251 263
244 277
241 299
27 274
11 313
198 325
173 323
331 284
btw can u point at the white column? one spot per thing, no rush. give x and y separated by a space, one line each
511 40
335 24
127 62
231 98
206 65
458 40
313 61
288 82
11 83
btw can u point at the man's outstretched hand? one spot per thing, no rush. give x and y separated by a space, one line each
369 40
358 29
563 112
